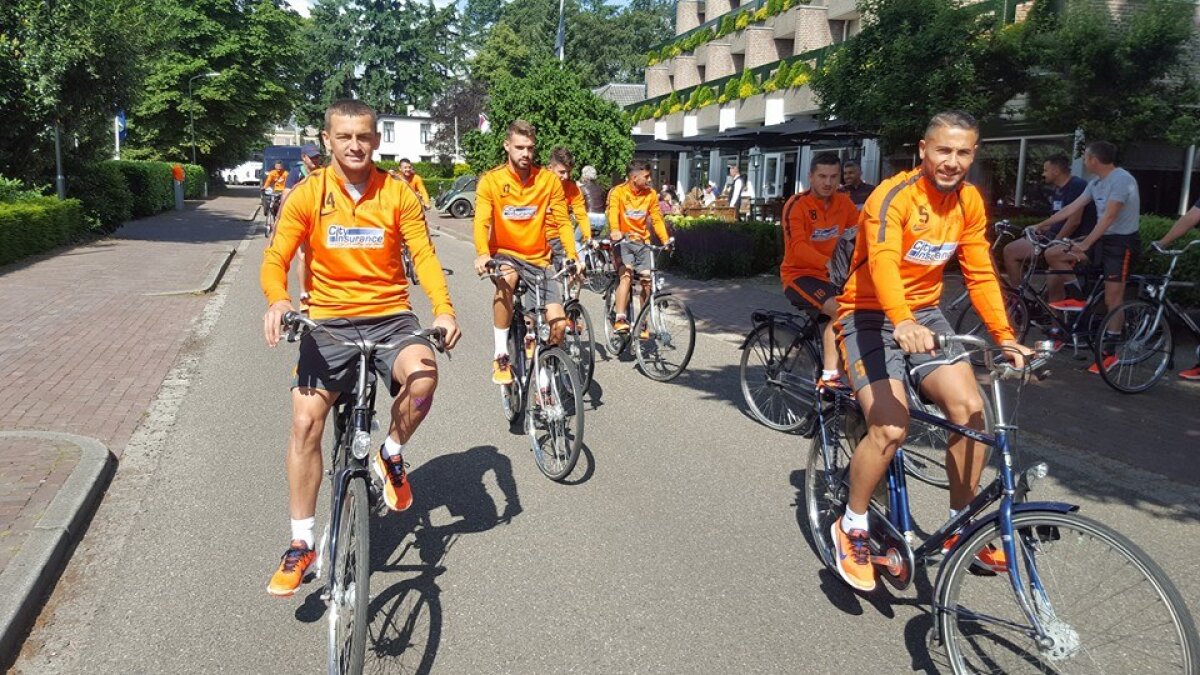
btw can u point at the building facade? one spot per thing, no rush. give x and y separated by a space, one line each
405 136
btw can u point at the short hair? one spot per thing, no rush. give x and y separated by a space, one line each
588 172
1060 161
561 155
851 164
825 159
522 128
404 160
349 107
638 165
1103 151
952 119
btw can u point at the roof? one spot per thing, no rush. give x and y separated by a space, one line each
623 95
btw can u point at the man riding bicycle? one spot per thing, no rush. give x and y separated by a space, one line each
276 181
813 222
632 209
888 319
352 218
414 179
1056 172
517 205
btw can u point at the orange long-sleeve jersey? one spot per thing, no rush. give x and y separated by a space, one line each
353 260
811 228
276 180
418 184
576 207
631 212
515 217
907 232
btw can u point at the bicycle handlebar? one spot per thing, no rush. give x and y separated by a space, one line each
494 264
1174 251
1037 366
436 336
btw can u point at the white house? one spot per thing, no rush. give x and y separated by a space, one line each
405 136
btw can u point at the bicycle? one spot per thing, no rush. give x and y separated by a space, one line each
1145 343
410 269
599 271
779 370
986 625
580 341
345 541
554 407
272 209
664 325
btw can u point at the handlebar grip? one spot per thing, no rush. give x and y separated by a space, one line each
290 318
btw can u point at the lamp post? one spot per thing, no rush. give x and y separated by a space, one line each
192 110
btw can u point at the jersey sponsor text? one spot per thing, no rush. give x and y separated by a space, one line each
354 237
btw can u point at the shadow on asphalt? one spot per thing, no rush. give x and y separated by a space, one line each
588 461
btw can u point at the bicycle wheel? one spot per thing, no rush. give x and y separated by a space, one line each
580 342
779 372
669 337
350 582
969 322
554 413
614 340
1143 347
926 445
1105 605
827 485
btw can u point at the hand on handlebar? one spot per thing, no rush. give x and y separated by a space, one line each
914 338
1017 353
481 264
273 321
448 323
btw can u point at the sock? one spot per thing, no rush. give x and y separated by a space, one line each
543 379
854 521
828 375
501 341
621 317
302 530
391 448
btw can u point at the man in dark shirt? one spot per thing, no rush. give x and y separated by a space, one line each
1065 188
853 185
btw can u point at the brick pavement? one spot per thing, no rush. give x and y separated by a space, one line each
84 349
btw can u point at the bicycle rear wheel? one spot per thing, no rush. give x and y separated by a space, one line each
779 374
554 413
350 582
580 342
670 337
926 445
1143 348
827 485
969 322
1105 605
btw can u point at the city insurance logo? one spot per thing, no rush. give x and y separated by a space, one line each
354 237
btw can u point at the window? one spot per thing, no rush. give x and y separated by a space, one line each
389 132
426 129
387 158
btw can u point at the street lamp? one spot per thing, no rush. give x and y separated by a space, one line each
192 110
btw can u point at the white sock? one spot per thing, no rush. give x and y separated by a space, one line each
621 317
501 341
854 521
391 448
828 375
543 379
302 530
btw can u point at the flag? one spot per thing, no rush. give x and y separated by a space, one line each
560 40
484 125
121 124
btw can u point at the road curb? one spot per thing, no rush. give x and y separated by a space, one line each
28 578
214 277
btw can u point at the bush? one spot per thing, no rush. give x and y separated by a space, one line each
193 181
1152 229
461 170
14 190
710 248
34 225
150 183
435 186
104 193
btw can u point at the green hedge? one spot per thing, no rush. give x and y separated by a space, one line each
193 182
150 183
105 195
1152 229
429 170
709 248
38 224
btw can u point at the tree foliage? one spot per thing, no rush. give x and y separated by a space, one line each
462 101
564 113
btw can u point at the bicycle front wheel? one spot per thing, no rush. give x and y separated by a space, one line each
1138 355
580 342
350 582
665 336
779 374
1104 605
554 413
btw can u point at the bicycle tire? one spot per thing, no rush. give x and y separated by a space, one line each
511 395
555 431
612 339
763 360
1139 327
350 583
826 486
663 356
926 445
580 341
1040 536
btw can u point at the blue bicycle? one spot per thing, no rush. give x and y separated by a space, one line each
1080 596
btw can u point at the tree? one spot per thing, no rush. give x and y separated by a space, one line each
564 113
462 101
503 55
915 58
329 59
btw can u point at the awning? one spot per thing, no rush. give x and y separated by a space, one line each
791 133
648 145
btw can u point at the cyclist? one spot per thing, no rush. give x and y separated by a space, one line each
275 180
310 161
595 198
813 221
632 211
418 184
517 204
561 164
352 217
910 227
1114 244
1186 222
1056 172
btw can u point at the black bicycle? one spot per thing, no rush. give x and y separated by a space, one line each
345 542
271 209
580 340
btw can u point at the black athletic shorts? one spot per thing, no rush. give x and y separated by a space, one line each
326 364
1116 254
808 293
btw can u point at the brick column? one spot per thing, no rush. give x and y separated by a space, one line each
658 80
716 8
720 61
812 30
687 15
760 46
686 72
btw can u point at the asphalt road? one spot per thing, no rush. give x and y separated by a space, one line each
677 547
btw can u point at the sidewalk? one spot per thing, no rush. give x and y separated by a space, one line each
1158 431
86 337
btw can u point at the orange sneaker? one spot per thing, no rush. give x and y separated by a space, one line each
1192 373
990 559
853 557
1109 362
397 491
1068 305
621 326
645 334
529 348
501 370
291 570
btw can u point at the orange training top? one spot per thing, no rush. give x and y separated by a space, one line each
515 217
576 207
276 179
418 184
629 211
907 232
353 248
811 228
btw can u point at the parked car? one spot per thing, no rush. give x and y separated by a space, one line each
459 200
246 173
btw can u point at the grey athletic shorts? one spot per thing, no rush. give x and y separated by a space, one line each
870 353
552 291
809 293
635 256
326 364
